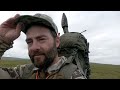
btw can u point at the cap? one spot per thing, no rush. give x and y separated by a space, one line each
37 19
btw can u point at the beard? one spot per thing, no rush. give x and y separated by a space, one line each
48 58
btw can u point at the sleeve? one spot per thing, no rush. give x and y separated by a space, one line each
13 72
8 73
78 75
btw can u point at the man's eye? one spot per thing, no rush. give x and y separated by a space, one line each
28 42
41 39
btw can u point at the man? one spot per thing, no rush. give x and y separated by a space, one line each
43 40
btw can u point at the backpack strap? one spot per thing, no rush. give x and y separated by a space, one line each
77 60
72 63
67 70
68 67
79 65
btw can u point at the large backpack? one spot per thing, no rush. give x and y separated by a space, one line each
74 45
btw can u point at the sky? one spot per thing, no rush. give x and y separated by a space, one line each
103 29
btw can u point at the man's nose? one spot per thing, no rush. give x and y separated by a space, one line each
35 46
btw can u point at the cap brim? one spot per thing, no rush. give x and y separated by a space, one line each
28 20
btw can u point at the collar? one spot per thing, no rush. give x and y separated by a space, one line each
57 65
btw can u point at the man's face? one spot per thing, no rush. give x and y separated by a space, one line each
42 47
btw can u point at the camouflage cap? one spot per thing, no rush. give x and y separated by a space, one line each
37 19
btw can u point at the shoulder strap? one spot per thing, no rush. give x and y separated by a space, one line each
67 70
79 65
77 60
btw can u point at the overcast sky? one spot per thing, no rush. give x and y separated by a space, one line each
103 29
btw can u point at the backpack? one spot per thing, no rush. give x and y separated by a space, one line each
75 48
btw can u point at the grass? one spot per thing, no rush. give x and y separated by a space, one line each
98 71
13 63
105 71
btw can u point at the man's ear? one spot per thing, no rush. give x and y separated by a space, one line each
58 40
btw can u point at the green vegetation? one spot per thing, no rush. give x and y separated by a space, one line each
13 63
98 71
105 71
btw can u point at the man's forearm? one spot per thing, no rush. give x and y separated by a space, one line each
4 46
1 53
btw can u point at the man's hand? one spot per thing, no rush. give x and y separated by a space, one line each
9 31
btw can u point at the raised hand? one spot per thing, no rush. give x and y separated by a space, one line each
9 31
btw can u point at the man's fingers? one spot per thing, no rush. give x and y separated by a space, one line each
12 18
7 21
10 22
19 27
16 16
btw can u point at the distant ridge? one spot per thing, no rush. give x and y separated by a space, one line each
12 58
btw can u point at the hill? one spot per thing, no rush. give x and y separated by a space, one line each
12 58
